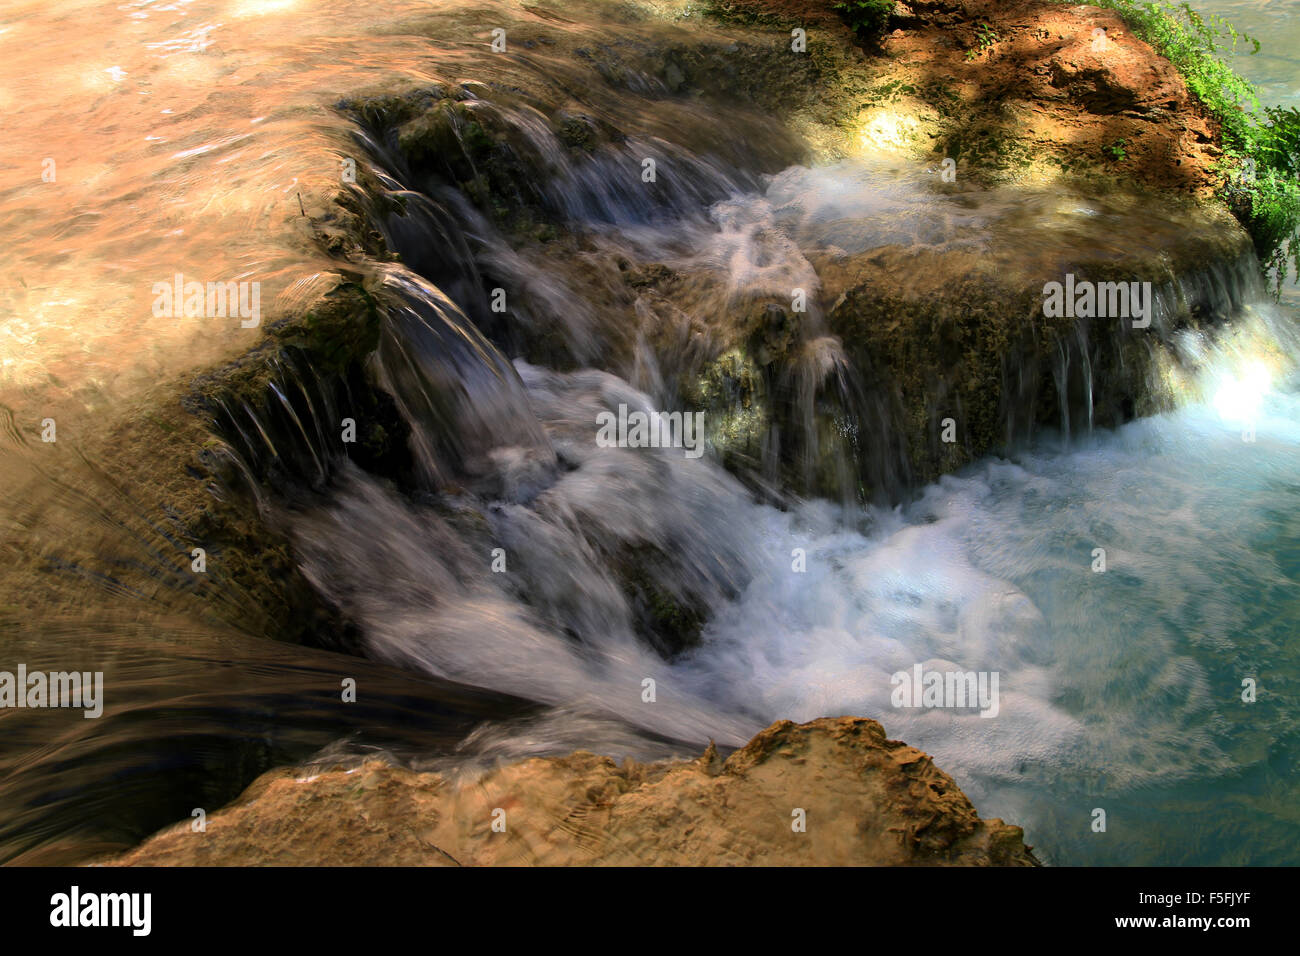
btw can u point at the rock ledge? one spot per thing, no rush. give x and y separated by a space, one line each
865 800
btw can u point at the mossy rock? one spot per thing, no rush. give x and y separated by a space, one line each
730 391
670 622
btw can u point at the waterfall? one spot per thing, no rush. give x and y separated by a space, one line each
695 600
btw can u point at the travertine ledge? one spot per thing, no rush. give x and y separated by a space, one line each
865 800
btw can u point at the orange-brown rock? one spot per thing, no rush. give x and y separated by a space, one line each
1029 89
864 800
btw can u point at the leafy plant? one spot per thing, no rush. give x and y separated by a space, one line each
985 37
1260 168
866 17
1117 151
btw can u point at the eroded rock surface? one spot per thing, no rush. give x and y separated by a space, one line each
867 800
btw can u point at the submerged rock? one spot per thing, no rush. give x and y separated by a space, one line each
832 792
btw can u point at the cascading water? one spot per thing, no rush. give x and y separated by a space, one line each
529 582
624 566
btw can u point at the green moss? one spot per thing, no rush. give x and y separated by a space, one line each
667 621
577 133
980 351
743 14
867 18
326 347
730 390
338 329
385 109
888 92
988 145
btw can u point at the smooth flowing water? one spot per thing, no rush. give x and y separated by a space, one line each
1274 68
183 140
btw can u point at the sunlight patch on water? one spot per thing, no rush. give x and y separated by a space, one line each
260 8
1239 398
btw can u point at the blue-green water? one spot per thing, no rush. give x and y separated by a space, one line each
1137 673
1120 690
1275 69
1231 603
